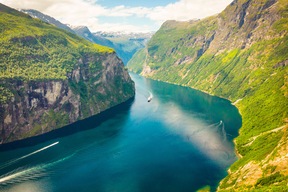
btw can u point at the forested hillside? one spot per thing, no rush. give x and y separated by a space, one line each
50 78
240 54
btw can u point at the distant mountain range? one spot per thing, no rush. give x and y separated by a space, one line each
84 32
125 45
118 34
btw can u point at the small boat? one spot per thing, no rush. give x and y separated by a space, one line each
149 99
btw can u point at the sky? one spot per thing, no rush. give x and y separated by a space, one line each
122 15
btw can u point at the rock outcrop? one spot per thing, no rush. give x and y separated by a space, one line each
37 107
50 78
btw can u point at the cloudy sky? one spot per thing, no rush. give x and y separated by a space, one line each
122 15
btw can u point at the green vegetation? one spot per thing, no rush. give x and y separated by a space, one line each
51 119
5 95
39 56
258 150
50 78
216 55
126 47
34 50
205 189
134 62
266 181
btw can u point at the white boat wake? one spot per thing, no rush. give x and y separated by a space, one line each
27 174
150 96
25 156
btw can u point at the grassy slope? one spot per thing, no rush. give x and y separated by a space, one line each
33 50
137 61
126 47
229 70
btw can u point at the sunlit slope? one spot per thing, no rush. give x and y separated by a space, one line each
240 54
43 47
50 78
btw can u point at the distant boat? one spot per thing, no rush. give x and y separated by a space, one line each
149 99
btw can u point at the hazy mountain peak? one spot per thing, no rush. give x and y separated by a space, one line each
80 27
46 18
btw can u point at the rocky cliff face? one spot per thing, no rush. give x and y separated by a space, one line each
50 78
38 107
240 55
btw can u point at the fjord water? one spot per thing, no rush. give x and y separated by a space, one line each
180 141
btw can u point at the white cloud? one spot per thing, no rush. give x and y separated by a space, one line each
87 12
112 27
123 11
188 9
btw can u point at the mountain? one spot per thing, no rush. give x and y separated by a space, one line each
120 34
240 54
84 32
81 31
50 78
125 45
46 18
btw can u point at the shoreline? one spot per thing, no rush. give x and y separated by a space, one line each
239 156
92 121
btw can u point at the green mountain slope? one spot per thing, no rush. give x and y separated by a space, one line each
50 78
240 54
126 45
44 48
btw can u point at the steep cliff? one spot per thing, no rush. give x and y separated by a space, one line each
50 78
239 54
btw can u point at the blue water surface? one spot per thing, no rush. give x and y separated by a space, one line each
180 141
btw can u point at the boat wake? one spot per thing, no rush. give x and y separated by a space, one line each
150 96
27 174
220 127
25 156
